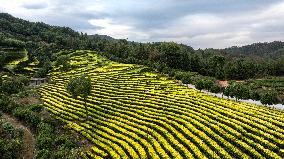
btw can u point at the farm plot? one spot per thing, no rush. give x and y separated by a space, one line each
139 114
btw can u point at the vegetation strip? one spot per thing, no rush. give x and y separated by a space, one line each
29 141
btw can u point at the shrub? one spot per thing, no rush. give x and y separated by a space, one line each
199 85
44 141
269 98
8 128
216 88
36 108
43 154
33 119
12 86
65 142
254 95
7 104
186 79
45 128
63 61
4 102
11 141
207 83
179 75
20 113
171 73
43 71
26 114
239 91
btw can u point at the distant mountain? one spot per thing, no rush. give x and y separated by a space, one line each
271 49
105 37
34 31
18 32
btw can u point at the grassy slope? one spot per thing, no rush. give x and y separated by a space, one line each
140 114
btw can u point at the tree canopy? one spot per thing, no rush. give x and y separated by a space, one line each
80 86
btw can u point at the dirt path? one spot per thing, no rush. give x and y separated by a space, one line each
29 139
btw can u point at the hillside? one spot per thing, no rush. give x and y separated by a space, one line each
43 41
258 49
23 31
33 47
65 94
136 113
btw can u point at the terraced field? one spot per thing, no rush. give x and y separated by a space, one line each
139 114
11 65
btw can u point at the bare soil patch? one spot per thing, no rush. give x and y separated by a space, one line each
28 101
223 83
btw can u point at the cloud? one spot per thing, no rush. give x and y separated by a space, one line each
201 24
116 30
216 25
223 30
35 5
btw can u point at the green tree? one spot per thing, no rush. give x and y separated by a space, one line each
80 86
199 84
269 98
194 62
244 91
64 61
215 88
239 91
186 78
207 83
13 85
228 91
2 60
240 69
172 54
255 95
216 63
232 90
43 71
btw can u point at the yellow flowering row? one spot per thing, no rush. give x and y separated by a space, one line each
144 115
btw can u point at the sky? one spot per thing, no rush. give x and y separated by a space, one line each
198 23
